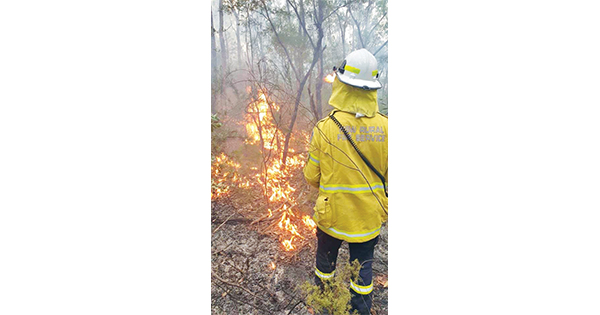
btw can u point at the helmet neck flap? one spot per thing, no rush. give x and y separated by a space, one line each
352 99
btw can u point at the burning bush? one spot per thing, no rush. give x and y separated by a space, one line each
270 174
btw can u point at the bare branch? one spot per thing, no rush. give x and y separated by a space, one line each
380 48
279 40
376 24
358 28
335 10
302 24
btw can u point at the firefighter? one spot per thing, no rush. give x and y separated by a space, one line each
352 201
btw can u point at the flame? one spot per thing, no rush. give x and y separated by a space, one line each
287 244
309 223
259 122
273 265
287 225
261 128
224 176
272 176
329 78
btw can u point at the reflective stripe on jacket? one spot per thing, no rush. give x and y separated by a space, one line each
349 205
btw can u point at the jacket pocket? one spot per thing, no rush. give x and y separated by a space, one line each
324 212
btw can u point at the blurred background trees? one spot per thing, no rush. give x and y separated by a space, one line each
283 49
287 47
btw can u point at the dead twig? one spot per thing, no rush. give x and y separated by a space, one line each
293 307
233 284
218 227
270 216
238 269
218 252
261 218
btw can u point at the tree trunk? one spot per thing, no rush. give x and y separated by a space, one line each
319 87
249 52
223 47
287 6
237 35
317 53
366 24
213 64
319 83
302 14
362 43
288 135
343 34
302 82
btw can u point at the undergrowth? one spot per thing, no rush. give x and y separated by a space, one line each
335 296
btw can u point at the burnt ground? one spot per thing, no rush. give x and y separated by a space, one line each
242 280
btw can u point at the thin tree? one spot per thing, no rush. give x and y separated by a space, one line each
213 64
319 50
223 47
237 36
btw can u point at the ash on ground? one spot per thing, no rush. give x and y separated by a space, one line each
251 273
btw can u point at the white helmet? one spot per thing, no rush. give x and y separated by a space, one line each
359 69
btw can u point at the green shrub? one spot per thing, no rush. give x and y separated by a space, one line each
214 122
335 296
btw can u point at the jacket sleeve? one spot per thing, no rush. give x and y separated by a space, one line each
312 169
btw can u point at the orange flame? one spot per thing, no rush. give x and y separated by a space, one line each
224 174
260 124
287 244
274 180
329 78
309 223
273 177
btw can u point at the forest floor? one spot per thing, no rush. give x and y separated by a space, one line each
253 274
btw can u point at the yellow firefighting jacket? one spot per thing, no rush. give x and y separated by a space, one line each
351 200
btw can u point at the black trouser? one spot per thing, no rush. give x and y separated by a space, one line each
327 252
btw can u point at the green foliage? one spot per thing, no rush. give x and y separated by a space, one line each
297 43
335 296
241 5
214 122
219 133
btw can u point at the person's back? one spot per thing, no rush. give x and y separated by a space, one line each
352 204
352 201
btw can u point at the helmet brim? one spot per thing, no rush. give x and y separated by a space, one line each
362 84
